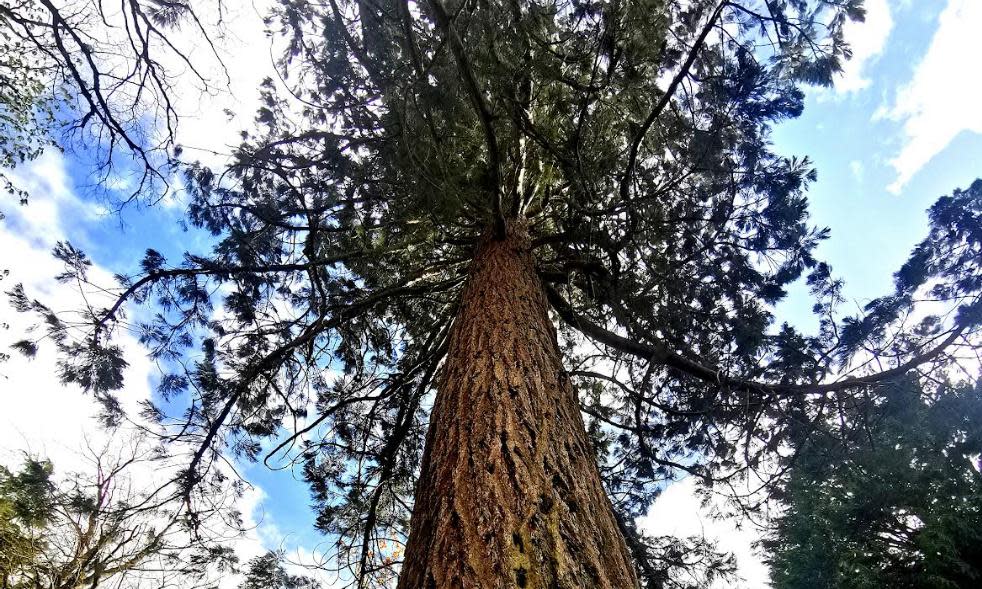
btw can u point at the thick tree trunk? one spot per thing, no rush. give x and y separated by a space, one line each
510 494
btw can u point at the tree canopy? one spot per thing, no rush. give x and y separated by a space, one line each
266 571
631 140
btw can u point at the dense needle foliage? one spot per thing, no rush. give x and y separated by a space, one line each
267 571
890 498
632 140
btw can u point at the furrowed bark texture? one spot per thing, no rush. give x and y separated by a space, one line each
510 494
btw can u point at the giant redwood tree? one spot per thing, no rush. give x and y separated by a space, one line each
491 273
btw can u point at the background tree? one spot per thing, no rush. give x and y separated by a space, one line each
24 505
25 115
94 528
441 177
890 496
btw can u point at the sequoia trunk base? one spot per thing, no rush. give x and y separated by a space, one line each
510 494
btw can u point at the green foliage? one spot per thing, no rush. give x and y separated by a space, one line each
26 106
26 505
267 571
944 266
28 492
891 497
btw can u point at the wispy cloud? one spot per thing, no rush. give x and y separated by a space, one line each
942 98
867 40
858 170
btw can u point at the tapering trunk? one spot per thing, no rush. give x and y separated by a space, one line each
510 494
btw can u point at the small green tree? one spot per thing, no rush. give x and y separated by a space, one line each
267 571
26 505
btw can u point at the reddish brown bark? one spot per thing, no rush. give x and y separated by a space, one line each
510 494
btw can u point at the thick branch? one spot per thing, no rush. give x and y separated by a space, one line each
660 354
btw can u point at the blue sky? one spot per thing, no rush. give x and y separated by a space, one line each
903 128
856 143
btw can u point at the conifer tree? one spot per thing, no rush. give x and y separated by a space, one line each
443 185
890 496
267 571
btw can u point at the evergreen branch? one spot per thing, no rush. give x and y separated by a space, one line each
666 98
404 420
159 275
482 108
430 357
660 354
269 362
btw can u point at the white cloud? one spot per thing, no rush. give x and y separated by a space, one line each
244 50
213 66
40 413
678 511
867 40
52 200
942 98
858 169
